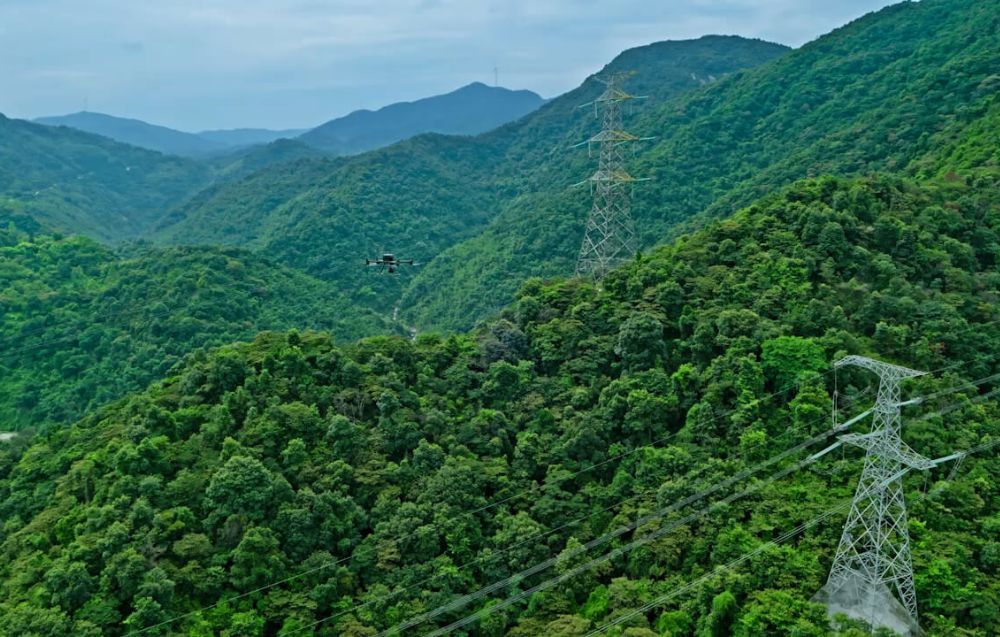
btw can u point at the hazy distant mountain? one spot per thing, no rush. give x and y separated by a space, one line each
136 132
249 136
167 140
469 110
472 109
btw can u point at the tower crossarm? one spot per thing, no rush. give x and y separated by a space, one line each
612 136
894 451
910 458
885 371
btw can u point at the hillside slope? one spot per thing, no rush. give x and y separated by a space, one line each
76 182
381 480
81 326
243 162
420 196
869 96
469 110
238 137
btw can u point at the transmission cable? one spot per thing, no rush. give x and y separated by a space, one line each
618 532
510 548
560 480
618 552
514 546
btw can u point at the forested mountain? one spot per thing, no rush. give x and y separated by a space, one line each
472 109
81 326
420 196
76 182
869 96
137 133
381 480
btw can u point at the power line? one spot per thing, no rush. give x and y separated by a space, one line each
493 556
729 565
618 532
618 552
507 549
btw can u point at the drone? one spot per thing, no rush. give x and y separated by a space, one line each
389 263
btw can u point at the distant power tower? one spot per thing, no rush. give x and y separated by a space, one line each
872 576
610 235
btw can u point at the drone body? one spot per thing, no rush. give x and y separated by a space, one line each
388 263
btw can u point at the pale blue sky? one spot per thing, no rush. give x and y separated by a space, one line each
196 64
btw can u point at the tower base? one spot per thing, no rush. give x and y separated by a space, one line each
870 603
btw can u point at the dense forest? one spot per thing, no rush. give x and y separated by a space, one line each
81 325
379 480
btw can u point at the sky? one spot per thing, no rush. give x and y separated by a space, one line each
205 64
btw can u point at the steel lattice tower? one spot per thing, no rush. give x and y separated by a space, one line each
872 575
609 238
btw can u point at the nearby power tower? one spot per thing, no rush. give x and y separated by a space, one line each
610 235
872 576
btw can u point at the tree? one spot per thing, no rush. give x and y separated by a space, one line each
640 342
772 613
724 611
786 358
257 559
243 486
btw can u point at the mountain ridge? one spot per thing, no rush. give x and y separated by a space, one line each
136 132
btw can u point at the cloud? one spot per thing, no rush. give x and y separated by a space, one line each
284 63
